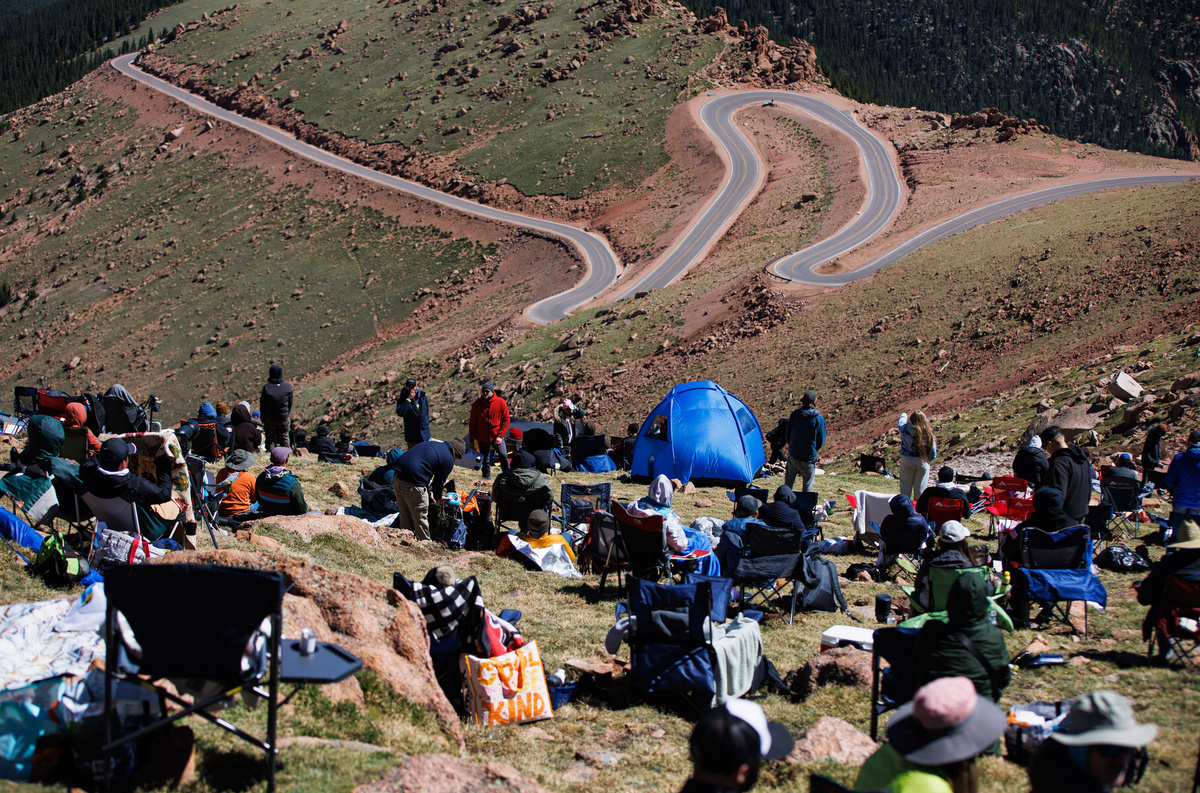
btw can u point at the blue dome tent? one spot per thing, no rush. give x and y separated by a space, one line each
700 431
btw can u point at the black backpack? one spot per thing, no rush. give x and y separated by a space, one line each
820 589
377 499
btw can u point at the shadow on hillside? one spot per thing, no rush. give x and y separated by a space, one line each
1121 658
590 592
233 770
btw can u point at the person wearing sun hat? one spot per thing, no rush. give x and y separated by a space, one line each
1094 748
933 741
1181 560
729 744
238 482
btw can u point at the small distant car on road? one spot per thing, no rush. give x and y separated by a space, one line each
769 103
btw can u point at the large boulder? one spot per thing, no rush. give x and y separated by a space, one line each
310 525
841 666
1125 387
371 620
1074 420
833 738
441 773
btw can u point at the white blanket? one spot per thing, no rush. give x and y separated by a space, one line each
872 508
50 638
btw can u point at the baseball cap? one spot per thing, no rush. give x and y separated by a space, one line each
721 741
114 450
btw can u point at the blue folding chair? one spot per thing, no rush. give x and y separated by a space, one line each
1055 571
670 650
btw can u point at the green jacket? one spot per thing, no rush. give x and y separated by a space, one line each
939 653
887 770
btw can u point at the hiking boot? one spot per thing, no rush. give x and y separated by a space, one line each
486 473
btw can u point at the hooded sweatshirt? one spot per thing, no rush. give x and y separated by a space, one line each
322 444
903 527
806 434
1031 464
275 402
1183 480
245 434
940 653
781 513
1071 474
77 417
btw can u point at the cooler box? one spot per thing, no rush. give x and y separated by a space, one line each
843 635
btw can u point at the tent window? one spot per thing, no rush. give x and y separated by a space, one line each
658 429
745 420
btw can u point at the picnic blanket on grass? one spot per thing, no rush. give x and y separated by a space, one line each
51 638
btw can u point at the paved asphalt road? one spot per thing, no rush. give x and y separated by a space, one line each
884 191
602 265
883 197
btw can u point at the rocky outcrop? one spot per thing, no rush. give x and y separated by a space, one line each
841 666
1008 127
309 526
832 738
366 617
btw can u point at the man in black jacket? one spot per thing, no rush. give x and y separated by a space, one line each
1071 473
413 408
275 407
107 475
421 472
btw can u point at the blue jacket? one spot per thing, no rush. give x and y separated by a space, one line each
426 465
1183 480
415 412
806 434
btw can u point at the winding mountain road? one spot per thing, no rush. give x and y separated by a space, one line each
884 196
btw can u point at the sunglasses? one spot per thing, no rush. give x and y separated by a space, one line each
1110 752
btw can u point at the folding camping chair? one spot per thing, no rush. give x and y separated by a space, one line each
206 496
902 550
806 505
601 552
939 583
210 644
121 515
891 687
75 444
643 541
33 497
512 503
122 415
1125 498
1056 570
537 439
579 500
24 404
944 509
1005 514
670 650
1173 626
767 565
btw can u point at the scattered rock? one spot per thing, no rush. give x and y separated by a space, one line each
340 489
598 758
436 773
309 526
841 666
1125 387
257 539
833 738
703 503
590 666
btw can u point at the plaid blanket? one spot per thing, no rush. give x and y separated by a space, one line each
446 608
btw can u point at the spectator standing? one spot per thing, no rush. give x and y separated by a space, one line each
421 473
917 450
1183 480
413 408
1031 463
1152 453
806 436
275 406
1071 473
487 427
729 744
1093 749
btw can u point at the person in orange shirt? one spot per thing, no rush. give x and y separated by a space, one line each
239 484
77 417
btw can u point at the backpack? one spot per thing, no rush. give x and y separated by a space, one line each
206 443
446 526
819 586
1120 559
57 564
377 499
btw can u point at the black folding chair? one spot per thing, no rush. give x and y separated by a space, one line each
513 503
767 566
1125 498
896 685
601 552
210 644
579 500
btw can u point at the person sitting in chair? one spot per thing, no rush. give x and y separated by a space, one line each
967 644
1122 472
682 540
76 416
279 491
537 533
944 489
733 534
240 492
246 434
1094 749
952 551
207 414
781 512
1181 560
1031 463
903 523
107 475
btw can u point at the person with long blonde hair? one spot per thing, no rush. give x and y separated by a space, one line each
917 450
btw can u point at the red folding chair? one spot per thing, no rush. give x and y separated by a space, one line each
1004 490
1173 626
943 509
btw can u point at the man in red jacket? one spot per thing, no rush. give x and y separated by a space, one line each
487 428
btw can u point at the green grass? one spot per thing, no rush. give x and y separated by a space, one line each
568 620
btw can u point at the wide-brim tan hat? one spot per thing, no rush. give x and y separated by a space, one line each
1188 536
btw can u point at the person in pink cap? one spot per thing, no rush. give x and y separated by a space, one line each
933 741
